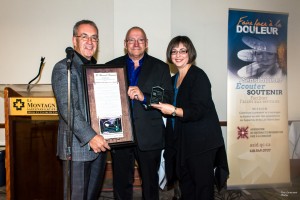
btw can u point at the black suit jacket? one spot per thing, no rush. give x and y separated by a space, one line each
148 123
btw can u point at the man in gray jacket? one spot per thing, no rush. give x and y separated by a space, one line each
88 147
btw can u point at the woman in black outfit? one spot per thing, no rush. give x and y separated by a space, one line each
194 138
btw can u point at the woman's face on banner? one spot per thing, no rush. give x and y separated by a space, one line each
266 59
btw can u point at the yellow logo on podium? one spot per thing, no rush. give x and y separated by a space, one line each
33 106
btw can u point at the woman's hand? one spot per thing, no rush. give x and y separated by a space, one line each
165 108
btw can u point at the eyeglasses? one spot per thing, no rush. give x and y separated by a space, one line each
181 52
139 41
85 37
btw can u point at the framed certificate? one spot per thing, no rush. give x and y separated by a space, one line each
108 105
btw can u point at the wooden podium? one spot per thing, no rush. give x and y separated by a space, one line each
32 169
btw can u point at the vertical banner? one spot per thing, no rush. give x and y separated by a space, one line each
257 127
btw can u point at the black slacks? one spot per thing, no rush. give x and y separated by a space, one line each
196 177
123 162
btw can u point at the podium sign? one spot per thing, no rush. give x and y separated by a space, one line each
23 106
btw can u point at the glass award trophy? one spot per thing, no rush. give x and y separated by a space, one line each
157 95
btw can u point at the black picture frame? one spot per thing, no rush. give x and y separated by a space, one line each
109 126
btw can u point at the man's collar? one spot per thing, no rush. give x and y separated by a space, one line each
86 61
140 61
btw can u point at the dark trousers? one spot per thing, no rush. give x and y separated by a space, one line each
86 178
123 162
196 177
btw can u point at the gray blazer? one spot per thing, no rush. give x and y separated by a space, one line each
82 131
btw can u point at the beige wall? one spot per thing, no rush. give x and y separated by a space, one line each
34 28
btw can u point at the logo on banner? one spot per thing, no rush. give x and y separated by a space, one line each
242 132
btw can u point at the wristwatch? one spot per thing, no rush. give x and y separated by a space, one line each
174 112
